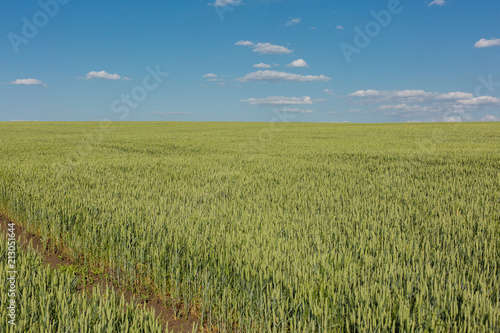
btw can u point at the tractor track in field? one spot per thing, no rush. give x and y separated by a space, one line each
57 258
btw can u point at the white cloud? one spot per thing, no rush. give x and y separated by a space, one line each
275 76
328 91
294 110
102 75
28 82
388 94
298 63
175 113
399 107
452 119
405 110
437 3
244 43
293 22
262 65
408 96
278 101
209 75
490 117
481 101
339 27
264 48
319 100
402 96
268 48
453 106
454 95
223 3
487 42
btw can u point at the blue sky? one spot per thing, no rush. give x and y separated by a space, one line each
250 60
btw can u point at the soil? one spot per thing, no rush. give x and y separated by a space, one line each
56 258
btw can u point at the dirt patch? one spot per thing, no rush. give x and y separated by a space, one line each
56 258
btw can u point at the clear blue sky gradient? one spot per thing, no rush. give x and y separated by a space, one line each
403 73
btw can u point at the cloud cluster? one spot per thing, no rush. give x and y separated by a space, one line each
276 76
480 101
452 106
264 48
409 96
279 101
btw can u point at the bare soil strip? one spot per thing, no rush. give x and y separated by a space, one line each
57 258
